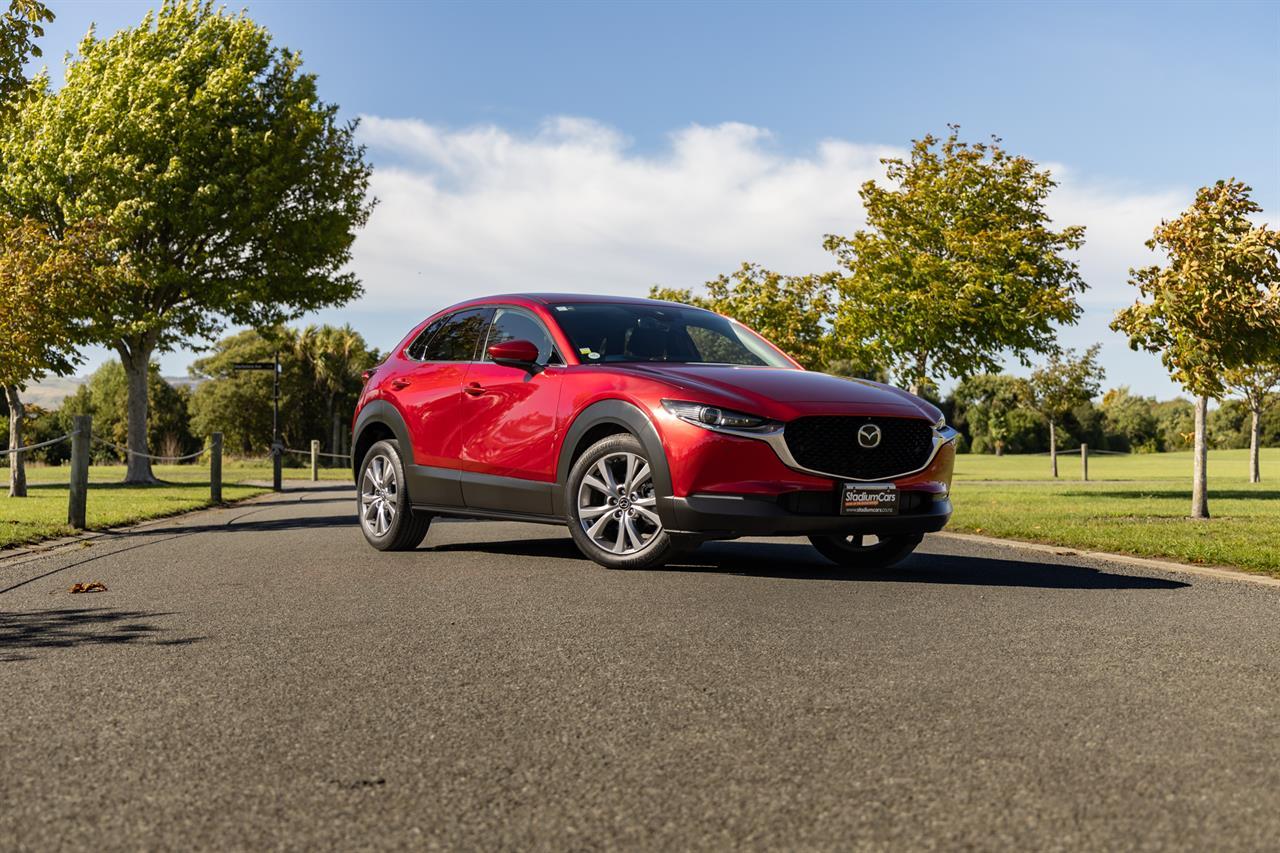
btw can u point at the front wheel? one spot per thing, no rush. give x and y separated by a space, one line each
387 518
612 506
859 551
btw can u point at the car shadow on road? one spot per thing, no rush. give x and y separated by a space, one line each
800 562
304 522
69 627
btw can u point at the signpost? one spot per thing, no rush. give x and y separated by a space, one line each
277 449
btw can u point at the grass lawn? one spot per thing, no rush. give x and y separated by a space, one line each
1132 504
43 513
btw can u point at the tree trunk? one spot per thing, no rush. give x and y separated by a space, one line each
1200 474
920 377
135 355
17 466
337 434
334 433
1255 436
1053 449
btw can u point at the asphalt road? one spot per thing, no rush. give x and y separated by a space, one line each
257 677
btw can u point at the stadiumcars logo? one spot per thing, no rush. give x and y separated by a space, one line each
869 499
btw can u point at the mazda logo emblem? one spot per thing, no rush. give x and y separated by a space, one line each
869 436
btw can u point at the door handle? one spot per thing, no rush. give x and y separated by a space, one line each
475 389
400 384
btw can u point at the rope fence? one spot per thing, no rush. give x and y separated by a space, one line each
51 441
128 452
82 439
318 453
1067 452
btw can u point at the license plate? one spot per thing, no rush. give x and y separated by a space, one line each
869 499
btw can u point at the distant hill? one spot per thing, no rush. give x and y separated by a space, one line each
49 393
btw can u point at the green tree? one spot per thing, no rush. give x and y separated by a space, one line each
335 358
1175 423
232 192
1213 307
1130 423
794 312
1087 426
106 397
1063 383
20 26
959 264
319 384
238 403
43 281
1229 425
1257 384
998 413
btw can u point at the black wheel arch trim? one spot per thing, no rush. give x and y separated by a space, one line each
631 419
383 413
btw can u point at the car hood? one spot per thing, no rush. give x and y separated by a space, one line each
761 390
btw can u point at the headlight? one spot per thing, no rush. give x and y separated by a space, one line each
714 417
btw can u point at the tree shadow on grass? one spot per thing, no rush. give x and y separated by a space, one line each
1178 494
801 562
71 627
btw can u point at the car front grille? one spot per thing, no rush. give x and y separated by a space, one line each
829 444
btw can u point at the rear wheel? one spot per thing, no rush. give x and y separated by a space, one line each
866 551
387 518
612 505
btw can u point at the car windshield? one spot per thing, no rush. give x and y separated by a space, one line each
620 332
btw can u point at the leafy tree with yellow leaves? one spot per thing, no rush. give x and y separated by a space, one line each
1212 307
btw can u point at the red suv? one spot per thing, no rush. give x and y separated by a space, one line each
647 427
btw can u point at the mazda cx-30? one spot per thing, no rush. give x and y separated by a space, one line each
646 427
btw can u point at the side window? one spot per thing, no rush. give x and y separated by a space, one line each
511 325
457 338
418 348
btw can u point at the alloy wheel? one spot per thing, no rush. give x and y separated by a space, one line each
379 496
617 505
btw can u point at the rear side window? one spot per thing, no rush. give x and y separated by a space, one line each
417 350
457 337
511 325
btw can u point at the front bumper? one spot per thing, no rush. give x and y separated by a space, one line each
730 516
727 486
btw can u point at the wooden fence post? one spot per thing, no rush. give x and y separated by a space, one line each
1084 461
315 460
215 468
79 486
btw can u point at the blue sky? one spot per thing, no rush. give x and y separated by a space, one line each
666 142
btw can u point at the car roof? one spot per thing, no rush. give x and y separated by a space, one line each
569 298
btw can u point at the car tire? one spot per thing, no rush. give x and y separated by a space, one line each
387 518
849 552
607 523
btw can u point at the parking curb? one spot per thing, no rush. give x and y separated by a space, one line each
1216 572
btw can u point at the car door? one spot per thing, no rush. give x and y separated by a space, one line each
430 397
508 446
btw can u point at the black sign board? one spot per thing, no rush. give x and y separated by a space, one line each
254 365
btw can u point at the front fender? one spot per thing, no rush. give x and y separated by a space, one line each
632 419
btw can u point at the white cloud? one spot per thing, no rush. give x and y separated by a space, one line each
466 212
572 208
1117 224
